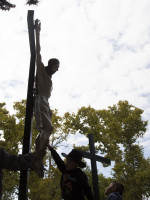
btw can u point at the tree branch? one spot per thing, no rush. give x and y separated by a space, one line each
5 5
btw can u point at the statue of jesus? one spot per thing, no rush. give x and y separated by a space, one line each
43 92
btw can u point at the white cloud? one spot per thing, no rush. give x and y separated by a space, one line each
103 48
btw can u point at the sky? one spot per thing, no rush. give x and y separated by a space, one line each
103 48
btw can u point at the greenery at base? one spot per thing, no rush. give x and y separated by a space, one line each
116 132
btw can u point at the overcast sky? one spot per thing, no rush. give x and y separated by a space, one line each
103 47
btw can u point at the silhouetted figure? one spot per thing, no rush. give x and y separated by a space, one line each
44 87
74 182
114 191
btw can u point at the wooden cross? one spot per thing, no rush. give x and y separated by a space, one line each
23 189
28 124
93 159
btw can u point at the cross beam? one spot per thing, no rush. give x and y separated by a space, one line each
94 158
23 194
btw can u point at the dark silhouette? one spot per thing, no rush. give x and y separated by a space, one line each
74 182
32 2
5 5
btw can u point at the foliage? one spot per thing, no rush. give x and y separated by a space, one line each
10 142
116 131
12 131
5 5
47 188
119 124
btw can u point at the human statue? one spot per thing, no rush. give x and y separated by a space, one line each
43 92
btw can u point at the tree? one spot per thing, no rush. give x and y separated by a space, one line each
5 5
12 131
46 188
9 142
116 131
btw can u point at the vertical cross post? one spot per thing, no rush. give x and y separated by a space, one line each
94 168
1 180
23 195
94 158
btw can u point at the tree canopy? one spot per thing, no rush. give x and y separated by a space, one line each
116 131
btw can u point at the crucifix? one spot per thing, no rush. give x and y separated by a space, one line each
29 107
94 158
38 97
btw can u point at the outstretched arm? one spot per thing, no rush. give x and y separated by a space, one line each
59 162
38 48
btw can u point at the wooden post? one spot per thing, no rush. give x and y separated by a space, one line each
94 168
93 159
23 189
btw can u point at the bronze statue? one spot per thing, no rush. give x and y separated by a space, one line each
43 92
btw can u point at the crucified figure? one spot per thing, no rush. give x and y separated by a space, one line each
44 87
